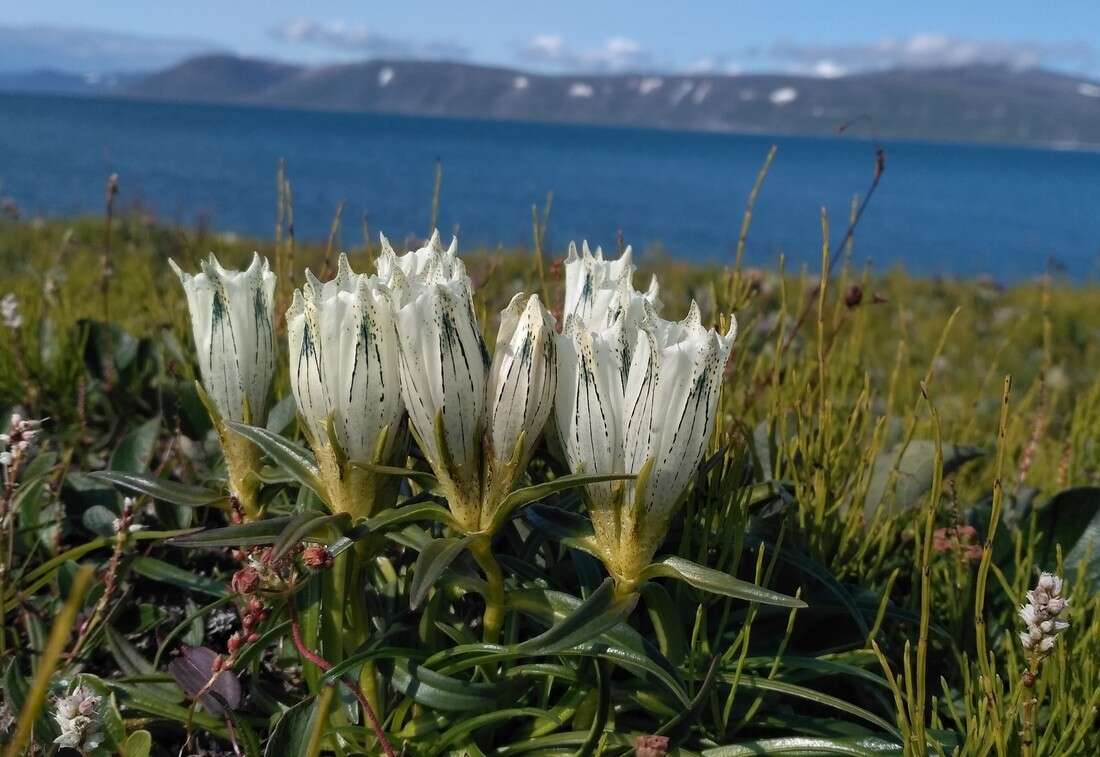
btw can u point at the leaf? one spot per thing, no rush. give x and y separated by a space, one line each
290 736
761 683
194 669
131 663
434 558
282 414
441 692
295 460
240 535
511 716
134 452
158 570
666 621
137 699
138 744
914 473
570 528
860 746
1071 519
160 489
603 609
717 582
304 525
529 494
423 479
99 520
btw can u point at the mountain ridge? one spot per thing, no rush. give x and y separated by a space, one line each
972 103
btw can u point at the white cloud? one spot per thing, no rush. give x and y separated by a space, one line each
922 50
359 39
617 53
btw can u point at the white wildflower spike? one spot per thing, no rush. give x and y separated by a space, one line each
596 290
639 397
522 378
232 322
9 312
1041 616
343 359
80 721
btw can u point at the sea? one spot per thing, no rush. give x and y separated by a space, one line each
956 210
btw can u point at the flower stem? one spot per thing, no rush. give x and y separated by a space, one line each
494 599
325 665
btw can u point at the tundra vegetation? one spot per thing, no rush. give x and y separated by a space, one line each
389 506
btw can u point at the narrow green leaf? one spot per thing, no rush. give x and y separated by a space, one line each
716 582
423 479
290 736
808 746
295 460
241 535
304 525
529 494
158 570
434 558
603 609
160 489
441 692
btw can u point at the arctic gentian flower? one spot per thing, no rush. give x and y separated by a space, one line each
469 413
232 322
345 378
640 397
595 288
231 319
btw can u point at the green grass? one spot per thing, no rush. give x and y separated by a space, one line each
830 469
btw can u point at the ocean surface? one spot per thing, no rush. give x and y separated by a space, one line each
941 209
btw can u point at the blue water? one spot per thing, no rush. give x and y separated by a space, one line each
941 208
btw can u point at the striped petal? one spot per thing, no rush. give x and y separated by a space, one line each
523 376
232 323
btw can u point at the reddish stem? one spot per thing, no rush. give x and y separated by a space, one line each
325 665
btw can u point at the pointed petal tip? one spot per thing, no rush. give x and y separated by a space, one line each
571 256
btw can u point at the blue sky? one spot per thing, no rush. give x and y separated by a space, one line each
798 35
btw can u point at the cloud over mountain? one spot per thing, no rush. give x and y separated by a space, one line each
92 51
355 39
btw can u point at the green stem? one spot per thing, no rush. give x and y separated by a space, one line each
494 598
358 578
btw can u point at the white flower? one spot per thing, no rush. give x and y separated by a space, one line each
79 720
343 359
444 363
446 373
231 319
638 397
9 311
522 377
1040 615
597 289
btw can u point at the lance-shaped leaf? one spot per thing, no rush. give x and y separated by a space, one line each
305 525
240 535
441 692
161 489
423 479
434 559
604 609
534 493
716 582
292 458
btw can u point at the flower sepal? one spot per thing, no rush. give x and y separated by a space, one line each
358 488
243 459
